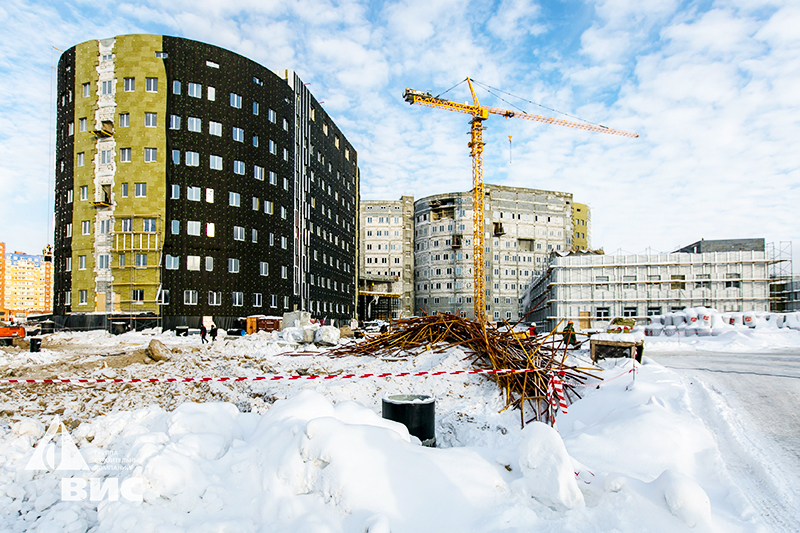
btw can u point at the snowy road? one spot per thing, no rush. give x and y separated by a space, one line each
751 403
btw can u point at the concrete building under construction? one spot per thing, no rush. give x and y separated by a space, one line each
386 259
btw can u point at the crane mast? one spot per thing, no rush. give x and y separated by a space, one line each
479 114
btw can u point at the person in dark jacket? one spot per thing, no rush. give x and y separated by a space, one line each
203 332
569 334
213 332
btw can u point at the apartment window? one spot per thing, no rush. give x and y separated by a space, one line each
84 192
264 268
255 140
82 124
81 262
69 196
176 87
258 173
210 229
283 242
653 311
149 225
677 282
194 124
283 212
140 260
126 225
601 282
190 297
236 101
273 148
238 233
150 155
68 264
193 227
215 162
254 236
272 116
81 159
106 157
286 158
140 190
256 204
212 94
214 298
151 85
105 226
107 87
628 312
125 155
273 300
150 120
85 227
273 178
268 209
172 262
733 281
237 298
603 312
238 167
285 125
233 265
176 227
255 108
82 296
87 89
286 185
129 84
238 134
233 199
164 299
195 90
628 282
257 300
176 157
193 263
703 281
124 120
284 272
193 194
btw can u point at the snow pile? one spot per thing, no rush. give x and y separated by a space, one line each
703 321
314 455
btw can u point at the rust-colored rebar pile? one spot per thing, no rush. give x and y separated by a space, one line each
487 346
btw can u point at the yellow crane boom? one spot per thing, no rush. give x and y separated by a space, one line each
479 114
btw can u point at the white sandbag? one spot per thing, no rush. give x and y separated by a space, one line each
749 319
327 335
669 331
294 335
793 320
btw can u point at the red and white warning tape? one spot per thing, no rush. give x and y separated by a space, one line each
271 378
555 393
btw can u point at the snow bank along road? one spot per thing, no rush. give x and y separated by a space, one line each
750 403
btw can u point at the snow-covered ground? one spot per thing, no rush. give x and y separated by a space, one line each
311 455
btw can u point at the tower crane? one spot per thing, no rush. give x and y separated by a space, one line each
479 114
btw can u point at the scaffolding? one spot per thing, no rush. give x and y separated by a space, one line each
781 286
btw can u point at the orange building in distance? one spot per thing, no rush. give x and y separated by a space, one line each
26 284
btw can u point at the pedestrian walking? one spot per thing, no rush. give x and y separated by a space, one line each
203 332
213 332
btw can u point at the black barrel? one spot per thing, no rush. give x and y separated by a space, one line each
118 328
416 411
48 326
181 331
36 344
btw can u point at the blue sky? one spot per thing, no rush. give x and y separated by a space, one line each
712 87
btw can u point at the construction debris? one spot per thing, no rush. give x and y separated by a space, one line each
488 347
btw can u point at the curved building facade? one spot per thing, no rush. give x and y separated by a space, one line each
522 227
192 181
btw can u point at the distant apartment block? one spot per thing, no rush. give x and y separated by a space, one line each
386 261
591 289
724 245
582 227
522 227
25 284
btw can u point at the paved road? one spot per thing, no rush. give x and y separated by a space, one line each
751 403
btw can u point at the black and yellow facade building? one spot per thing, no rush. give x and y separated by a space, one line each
191 181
